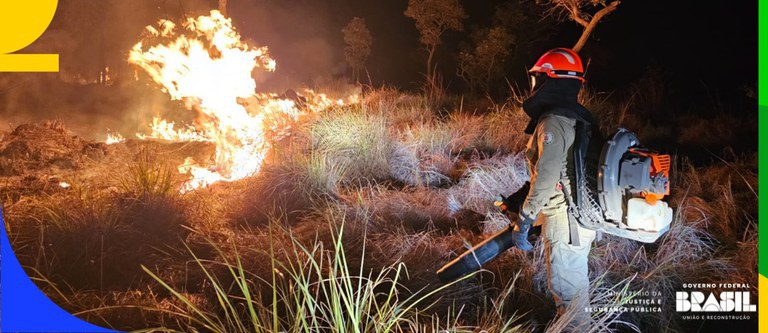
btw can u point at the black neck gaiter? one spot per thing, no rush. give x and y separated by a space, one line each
559 97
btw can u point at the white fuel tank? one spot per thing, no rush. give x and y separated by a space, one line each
642 215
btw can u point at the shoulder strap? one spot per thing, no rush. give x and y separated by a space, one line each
573 223
580 203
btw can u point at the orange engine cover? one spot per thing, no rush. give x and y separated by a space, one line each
660 165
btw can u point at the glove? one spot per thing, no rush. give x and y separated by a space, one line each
523 219
520 233
513 202
520 237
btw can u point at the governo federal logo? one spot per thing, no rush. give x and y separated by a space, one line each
726 301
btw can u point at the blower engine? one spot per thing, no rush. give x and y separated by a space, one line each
631 183
624 199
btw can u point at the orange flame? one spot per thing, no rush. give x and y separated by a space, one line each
113 138
206 65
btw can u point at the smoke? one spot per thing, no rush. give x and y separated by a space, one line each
89 110
96 89
302 36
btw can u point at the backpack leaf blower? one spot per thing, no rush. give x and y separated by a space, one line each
621 195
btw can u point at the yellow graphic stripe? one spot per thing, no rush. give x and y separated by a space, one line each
21 23
29 62
762 304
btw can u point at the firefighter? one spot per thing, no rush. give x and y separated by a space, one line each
554 110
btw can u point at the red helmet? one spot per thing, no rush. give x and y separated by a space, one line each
560 63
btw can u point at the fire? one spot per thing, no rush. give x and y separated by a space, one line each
165 130
205 64
113 138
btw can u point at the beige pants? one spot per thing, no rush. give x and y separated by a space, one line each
567 266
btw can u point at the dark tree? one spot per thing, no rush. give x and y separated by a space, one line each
433 18
484 62
358 42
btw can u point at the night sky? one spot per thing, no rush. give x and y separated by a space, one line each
701 43
697 44
701 50
700 47
707 43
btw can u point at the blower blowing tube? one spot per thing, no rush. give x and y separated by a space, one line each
476 257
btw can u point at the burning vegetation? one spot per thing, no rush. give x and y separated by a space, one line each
208 67
365 202
304 212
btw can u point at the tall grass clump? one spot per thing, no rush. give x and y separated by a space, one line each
486 179
498 315
639 112
424 155
504 129
149 196
467 131
602 317
313 288
401 110
147 179
609 116
292 187
75 240
357 141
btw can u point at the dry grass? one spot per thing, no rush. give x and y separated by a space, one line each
363 203
504 129
97 240
356 141
487 179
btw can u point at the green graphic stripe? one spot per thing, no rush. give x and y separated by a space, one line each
763 181
762 137
762 46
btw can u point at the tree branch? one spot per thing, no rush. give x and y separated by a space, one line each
593 23
574 10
